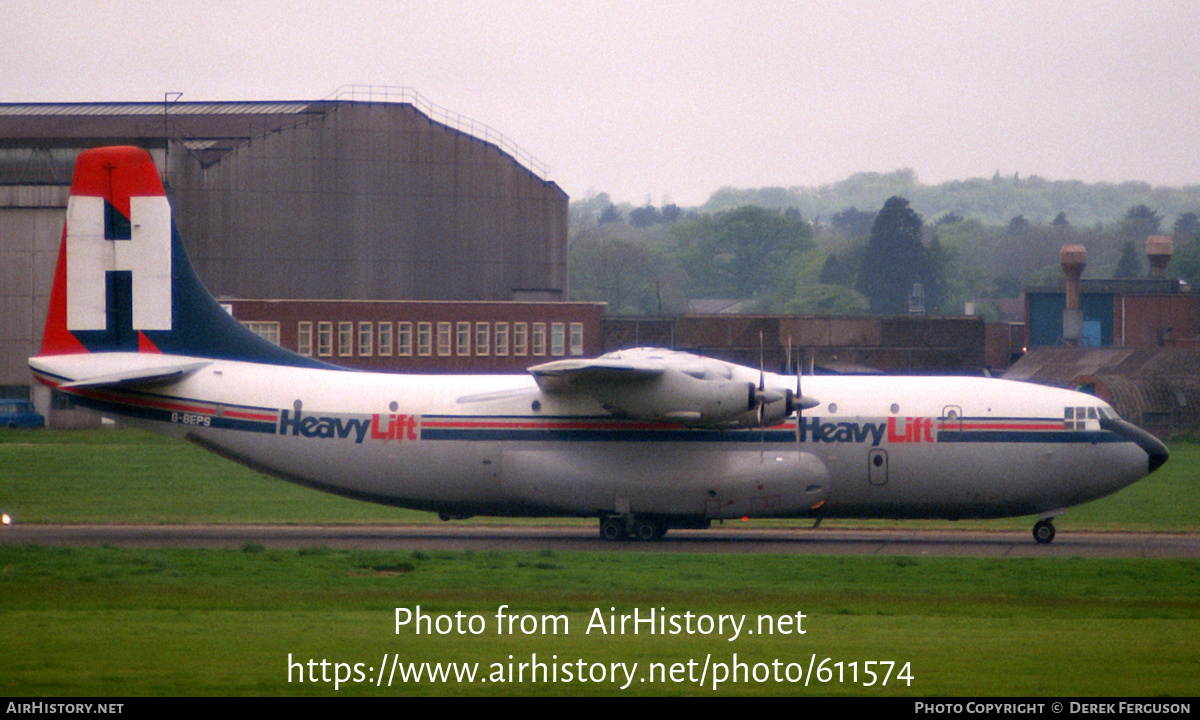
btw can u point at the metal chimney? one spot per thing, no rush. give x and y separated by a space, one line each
1074 260
1158 252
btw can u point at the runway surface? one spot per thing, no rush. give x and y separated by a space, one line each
933 543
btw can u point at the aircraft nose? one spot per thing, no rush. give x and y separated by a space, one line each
1154 447
1158 457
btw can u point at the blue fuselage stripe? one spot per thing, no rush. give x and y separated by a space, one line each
1028 436
143 412
600 433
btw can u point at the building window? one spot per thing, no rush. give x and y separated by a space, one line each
304 338
501 339
385 339
346 339
425 339
404 338
325 339
366 339
539 338
483 333
463 339
576 338
443 339
557 339
266 330
520 339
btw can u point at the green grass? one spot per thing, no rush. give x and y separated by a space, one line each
127 476
105 621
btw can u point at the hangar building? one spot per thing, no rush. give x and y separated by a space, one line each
374 194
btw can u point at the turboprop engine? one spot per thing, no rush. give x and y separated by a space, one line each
679 397
664 385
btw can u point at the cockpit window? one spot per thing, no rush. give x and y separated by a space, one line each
1076 418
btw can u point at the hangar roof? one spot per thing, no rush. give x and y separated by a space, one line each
62 123
154 108
51 125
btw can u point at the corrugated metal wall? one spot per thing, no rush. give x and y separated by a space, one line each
371 202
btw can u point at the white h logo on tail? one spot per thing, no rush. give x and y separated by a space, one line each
146 256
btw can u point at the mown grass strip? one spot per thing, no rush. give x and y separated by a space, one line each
106 621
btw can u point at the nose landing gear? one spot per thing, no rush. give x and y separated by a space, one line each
1043 531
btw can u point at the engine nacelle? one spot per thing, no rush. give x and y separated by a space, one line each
678 397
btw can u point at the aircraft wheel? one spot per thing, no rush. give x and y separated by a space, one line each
647 529
612 527
1043 531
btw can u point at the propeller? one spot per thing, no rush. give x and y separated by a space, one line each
762 380
799 395
762 386
762 397
789 364
799 402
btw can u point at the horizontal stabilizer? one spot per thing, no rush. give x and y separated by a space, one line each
113 370
158 376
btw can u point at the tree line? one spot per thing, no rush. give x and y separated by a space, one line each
991 201
654 260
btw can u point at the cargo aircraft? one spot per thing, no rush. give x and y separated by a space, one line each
644 440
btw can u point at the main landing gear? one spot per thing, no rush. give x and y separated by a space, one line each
636 527
1043 531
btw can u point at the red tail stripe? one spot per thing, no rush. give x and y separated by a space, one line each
116 174
56 339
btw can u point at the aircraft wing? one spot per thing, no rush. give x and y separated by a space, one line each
662 385
564 376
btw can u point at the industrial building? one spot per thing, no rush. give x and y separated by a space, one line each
413 336
1117 313
1156 311
898 344
375 194
1134 343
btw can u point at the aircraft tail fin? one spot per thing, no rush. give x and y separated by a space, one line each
123 282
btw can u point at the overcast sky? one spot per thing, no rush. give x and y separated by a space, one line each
670 101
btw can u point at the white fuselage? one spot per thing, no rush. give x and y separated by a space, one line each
873 447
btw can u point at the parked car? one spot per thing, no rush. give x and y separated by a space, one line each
20 413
